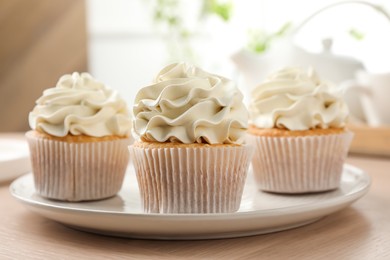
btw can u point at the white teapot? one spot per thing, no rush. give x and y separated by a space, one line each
254 67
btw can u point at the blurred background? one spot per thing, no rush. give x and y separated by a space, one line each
124 43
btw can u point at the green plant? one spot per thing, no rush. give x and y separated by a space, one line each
168 14
224 10
259 41
167 17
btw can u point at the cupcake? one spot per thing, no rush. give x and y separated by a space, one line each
189 154
297 123
79 139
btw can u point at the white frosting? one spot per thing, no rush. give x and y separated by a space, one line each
80 105
188 105
297 99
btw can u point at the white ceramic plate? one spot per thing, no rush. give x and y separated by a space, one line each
14 156
259 213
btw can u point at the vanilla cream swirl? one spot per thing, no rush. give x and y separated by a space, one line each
188 105
297 99
80 105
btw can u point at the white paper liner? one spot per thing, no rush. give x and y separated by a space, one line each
300 164
78 171
191 180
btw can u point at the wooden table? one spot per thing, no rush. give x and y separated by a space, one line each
361 231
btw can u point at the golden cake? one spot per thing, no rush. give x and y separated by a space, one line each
190 155
297 123
79 141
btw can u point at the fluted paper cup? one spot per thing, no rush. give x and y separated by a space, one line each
78 171
204 179
300 164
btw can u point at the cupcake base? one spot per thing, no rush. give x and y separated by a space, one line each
194 178
77 168
300 163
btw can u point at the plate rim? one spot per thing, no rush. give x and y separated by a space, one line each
158 226
348 198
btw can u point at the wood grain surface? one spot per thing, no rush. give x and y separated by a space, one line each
361 231
40 41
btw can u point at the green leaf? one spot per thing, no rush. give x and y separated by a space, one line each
259 41
282 31
222 10
356 34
